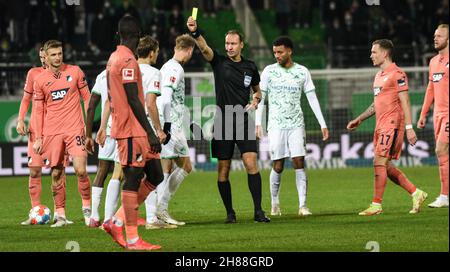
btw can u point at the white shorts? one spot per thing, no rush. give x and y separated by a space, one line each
177 146
284 143
108 151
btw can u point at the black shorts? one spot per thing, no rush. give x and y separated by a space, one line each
224 149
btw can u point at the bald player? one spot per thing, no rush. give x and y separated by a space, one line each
437 94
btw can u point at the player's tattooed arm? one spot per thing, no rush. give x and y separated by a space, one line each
353 124
370 111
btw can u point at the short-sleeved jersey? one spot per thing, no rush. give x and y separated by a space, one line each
61 94
438 76
233 80
283 88
101 88
386 87
28 92
122 68
151 81
172 76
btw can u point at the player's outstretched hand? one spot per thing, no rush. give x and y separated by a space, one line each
191 24
421 123
259 132
325 134
101 137
21 128
89 145
37 146
411 136
353 124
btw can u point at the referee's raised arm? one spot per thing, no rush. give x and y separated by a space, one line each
207 52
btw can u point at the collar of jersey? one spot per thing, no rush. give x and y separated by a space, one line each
287 69
390 68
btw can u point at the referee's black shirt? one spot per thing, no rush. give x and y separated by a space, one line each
233 86
233 80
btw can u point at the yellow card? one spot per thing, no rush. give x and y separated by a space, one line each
194 13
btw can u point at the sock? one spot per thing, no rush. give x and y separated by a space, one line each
35 189
399 178
162 186
443 197
145 188
59 196
225 194
444 172
133 241
130 207
254 185
380 182
96 198
275 179
173 183
84 188
150 205
302 186
119 216
61 190
112 197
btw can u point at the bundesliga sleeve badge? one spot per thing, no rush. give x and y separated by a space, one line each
128 74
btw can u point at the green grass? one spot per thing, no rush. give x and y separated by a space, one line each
335 197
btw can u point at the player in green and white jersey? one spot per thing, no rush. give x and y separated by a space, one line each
284 83
171 108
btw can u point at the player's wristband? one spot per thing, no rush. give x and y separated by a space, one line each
167 127
196 33
409 126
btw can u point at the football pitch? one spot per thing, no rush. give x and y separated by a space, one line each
334 197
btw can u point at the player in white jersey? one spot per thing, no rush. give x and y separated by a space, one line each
147 51
106 155
283 83
171 108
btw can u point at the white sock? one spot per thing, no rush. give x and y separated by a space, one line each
96 198
443 197
162 187
150 205
302 184
112 198
275 180
173 182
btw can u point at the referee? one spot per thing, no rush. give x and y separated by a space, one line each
234 79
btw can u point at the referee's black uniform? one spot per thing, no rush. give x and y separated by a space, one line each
232 125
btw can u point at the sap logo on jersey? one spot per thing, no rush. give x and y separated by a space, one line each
59 94
437 77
